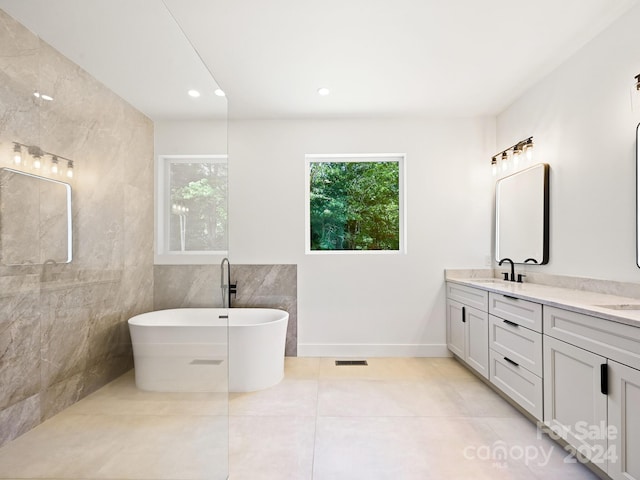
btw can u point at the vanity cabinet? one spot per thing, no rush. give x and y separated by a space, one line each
515 350
467 326
592 388
577 372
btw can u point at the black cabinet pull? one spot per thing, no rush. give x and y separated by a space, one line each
510 297
511 362
604 379
464 315
513 324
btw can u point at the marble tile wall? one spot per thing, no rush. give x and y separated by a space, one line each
63 330
266 286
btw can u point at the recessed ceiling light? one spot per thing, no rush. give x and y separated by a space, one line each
219 92
323 91
194 93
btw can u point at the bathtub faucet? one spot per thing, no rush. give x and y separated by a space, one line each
233 287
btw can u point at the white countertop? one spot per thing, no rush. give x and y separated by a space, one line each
581 301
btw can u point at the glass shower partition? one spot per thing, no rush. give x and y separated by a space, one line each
80 83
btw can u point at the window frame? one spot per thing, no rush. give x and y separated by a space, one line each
162 203
400 158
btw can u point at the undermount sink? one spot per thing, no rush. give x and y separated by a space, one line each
487 280
621 306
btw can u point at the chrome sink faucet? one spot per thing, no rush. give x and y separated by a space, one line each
506 274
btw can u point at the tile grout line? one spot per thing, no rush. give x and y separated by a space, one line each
315 428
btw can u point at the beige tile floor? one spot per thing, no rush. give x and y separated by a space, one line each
398 418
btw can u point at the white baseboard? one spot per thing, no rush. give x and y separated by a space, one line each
372 350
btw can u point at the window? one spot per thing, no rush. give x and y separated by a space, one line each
355 203
191 192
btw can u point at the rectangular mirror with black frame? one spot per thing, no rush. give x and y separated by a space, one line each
522 216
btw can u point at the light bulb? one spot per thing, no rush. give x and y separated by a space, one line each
70 169
528 150
37 162
503 163
494 166
516 157
54 165
17 154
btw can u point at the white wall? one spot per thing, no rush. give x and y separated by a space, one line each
365 304
190 137
584 127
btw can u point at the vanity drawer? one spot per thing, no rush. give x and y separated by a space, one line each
617 341
473 297
517 382
519 344
523 312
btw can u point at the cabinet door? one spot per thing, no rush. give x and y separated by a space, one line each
477 340
624 421
456 328
574 405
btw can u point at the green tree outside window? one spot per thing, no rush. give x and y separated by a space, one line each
354 205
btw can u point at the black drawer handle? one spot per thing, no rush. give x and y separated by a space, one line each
513 324
510 297
604 379
511 362
464 315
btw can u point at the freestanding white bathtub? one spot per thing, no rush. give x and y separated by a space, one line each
186 349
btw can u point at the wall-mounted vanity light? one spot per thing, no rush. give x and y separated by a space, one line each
39 159
634 94
514 155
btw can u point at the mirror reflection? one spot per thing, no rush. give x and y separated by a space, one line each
522 216
35 219
637 196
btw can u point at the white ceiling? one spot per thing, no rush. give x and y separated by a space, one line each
378 57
